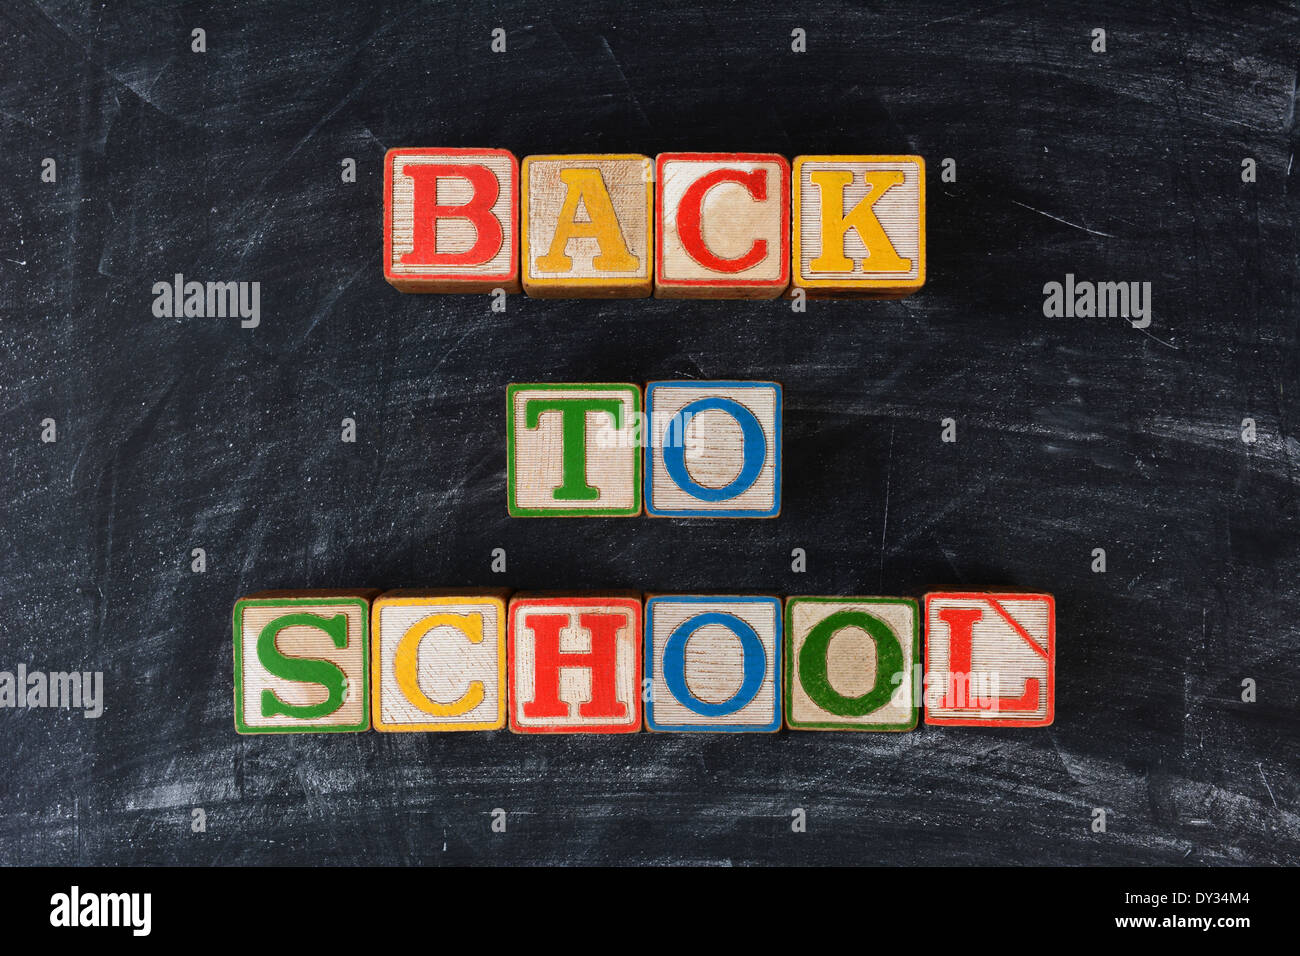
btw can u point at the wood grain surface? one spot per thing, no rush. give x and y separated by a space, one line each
590 236
859 225
576 662
1073 434
722 225
469 214
301 633
852 663
713 663
713 449
610 469
438 661
1006 646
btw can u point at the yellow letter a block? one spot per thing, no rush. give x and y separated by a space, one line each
859 225
587 223
438 660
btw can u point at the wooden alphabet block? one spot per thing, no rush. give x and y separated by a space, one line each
722 226
438 660
451 220
714 450
859 225
575 663
573 450
302 661
852 663
713 663
587 222
990 659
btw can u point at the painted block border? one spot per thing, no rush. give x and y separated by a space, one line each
559 285
650 449
636 605
778 285
1050 600
917 672
376 661
902 286
237 620
777 651
513 508
506 278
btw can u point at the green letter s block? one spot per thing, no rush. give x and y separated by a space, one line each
303 670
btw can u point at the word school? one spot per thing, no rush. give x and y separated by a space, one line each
685 225
463 660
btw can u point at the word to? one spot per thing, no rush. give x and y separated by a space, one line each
684 225
448 660
709 449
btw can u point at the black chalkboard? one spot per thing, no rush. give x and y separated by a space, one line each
1073 433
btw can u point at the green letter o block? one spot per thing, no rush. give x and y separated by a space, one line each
812 664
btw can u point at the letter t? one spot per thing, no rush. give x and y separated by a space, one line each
573 419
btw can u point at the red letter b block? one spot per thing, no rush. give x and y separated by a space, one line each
451 220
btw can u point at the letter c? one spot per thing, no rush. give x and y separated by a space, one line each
690 228
406 659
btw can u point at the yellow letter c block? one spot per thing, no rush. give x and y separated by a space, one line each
438 660
406 661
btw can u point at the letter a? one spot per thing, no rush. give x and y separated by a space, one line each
585 187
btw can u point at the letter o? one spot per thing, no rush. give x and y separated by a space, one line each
812 664
752 653
753 450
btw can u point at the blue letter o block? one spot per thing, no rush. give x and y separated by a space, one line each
753 449
755 664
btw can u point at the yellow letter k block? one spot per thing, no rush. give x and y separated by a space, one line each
881 254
